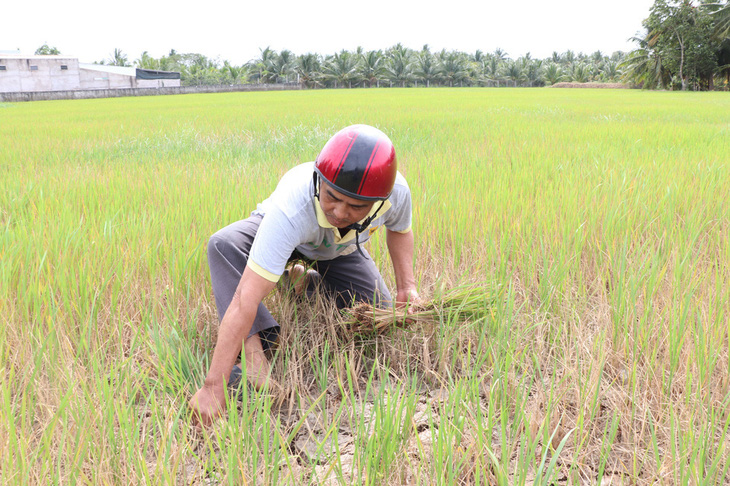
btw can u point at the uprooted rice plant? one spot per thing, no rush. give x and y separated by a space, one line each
594 222
462 304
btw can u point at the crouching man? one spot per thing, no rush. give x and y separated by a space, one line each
321 213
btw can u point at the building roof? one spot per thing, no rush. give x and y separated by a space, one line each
11 55
123 70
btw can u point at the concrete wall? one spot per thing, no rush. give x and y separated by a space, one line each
116 93
158 83
39 73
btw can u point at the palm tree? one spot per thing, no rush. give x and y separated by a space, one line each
500 54
453 67
341 68
118 58
610 71
171 62
553 74
617 56
147 62
399 49
398 68
260 64
279 66
199 74
721 31
513 72
532 70
597 57
371 67
582 73
492 69
475 68
643 66
307 67
426 68
637 68
721 16
568 57
236 75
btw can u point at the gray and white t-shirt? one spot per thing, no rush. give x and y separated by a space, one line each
293 220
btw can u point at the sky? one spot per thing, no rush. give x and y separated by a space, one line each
237 31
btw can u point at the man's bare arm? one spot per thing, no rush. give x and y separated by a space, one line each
209 402
400 247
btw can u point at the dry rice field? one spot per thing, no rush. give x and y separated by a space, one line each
583 237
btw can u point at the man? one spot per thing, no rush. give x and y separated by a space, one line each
320 213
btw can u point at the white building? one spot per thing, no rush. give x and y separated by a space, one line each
19 73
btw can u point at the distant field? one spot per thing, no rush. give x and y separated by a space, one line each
600 218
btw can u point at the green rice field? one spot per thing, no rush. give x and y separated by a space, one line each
596 223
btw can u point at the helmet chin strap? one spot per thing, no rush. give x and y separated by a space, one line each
315 181
359 228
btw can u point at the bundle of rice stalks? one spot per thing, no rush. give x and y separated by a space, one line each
461 303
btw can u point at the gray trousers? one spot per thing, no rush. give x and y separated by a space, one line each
349 279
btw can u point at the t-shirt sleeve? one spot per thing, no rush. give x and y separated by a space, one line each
272 246
398 217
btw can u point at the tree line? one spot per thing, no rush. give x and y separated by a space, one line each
683 46
397 66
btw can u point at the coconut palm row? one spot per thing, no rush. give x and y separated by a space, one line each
397 66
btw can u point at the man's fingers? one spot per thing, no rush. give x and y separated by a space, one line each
205 408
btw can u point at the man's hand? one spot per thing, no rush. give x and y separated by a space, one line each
407 297
207 405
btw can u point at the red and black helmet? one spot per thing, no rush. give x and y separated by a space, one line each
359 161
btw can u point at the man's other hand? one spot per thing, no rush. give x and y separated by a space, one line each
207 405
